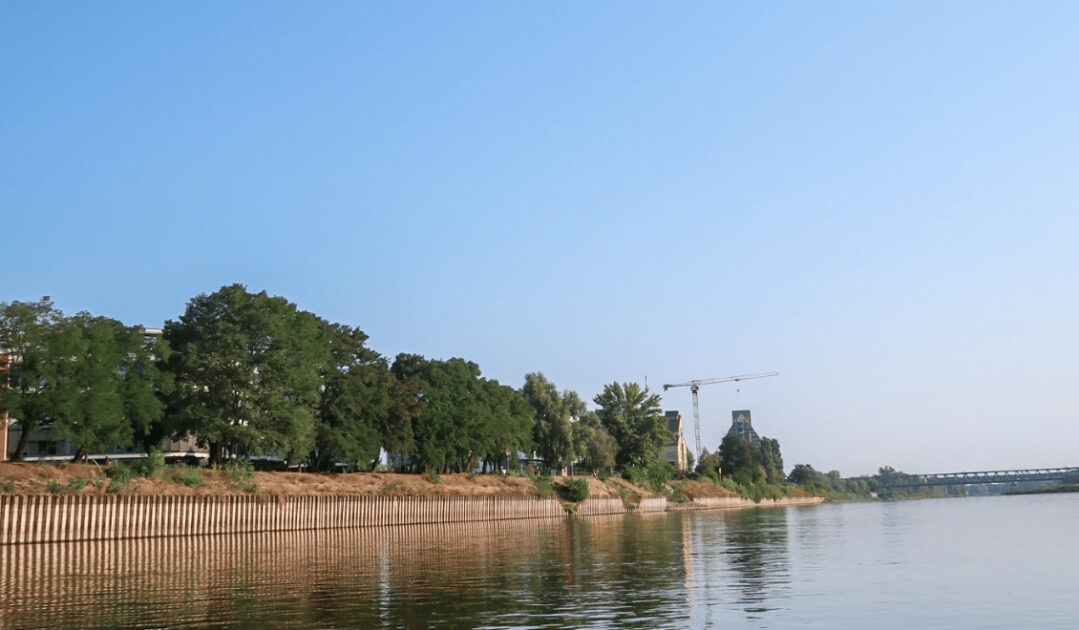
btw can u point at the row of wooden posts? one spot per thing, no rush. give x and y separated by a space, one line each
38 519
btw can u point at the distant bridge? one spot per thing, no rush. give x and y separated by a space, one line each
988 476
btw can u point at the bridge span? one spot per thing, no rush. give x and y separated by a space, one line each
986 476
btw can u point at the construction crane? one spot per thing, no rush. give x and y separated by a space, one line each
695 385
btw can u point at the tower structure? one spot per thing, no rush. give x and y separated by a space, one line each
742 426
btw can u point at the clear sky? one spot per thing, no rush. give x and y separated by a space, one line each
878 200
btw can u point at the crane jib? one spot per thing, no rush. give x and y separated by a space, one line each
695 385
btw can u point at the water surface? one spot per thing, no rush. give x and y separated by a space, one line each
987 562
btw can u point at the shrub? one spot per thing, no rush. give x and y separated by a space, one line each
658 473
709 474
149 466
543 485
53 486
434 477
119 473
242 472
635 476
570 508
76 484
576 490
8 485
677 495
189 476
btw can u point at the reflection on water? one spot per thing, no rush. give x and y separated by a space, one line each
932 563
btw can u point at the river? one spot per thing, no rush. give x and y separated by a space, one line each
985 562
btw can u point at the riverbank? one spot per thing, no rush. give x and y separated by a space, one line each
54 503
33 479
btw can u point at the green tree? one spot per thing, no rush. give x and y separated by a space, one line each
803 475
552 431
634 420
363 407
25 334
709 465
452 428
771 460
247 369
105 385
600 451
510 429
739 458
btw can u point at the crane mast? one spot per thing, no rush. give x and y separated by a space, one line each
695 385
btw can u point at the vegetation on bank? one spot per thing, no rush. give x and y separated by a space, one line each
249 374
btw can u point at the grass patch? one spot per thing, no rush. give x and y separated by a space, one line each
433 477
7 485
53 486
76 484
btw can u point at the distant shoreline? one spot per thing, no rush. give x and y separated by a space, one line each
1071 487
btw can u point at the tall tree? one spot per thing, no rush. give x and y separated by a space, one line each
740 459
510 429
450 429
600 451
552 432
771 460
106 383
247 368
25 329
634 420
355 400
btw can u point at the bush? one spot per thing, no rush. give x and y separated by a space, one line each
149 466
189 476
53 486
677 495
543 485
658 474
434 477
635 476
576 490
8 485
570 508
242 472
76 484
119 473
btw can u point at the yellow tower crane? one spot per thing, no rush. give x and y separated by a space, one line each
695 385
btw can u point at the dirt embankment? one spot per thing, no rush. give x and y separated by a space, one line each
69 479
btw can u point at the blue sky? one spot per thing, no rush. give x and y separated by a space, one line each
878 200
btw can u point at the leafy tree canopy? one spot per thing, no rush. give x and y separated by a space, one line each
634 420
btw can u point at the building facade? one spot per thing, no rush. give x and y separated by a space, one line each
674 452
742 426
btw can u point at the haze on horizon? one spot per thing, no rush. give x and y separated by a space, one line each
879 201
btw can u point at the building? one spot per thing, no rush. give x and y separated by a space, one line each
674 452
742 426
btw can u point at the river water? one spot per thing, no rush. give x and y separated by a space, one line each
986 562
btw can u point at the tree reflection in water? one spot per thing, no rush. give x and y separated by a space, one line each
635 571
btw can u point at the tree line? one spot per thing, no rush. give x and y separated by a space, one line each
249 374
